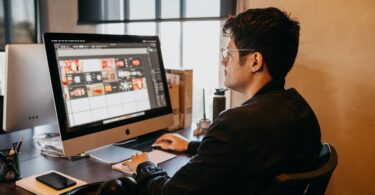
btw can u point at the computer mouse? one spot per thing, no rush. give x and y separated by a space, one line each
158 145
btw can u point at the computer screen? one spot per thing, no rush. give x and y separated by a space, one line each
107 88
28 99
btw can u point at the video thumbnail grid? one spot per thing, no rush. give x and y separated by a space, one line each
95 77
97 89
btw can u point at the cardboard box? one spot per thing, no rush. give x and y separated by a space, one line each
175 102
185 95
174 89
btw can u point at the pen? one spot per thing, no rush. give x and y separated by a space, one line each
19 146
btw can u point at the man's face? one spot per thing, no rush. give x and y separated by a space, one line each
236 76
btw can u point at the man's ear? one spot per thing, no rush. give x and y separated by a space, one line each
256 62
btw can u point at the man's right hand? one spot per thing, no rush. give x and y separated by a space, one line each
172 141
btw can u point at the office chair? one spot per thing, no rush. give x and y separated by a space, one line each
311 182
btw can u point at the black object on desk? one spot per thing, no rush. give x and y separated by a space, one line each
56 181
218 104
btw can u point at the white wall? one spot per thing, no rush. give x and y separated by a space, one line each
335 71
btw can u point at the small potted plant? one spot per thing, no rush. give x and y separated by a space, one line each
204 122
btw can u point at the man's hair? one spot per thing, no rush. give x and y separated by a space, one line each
268 31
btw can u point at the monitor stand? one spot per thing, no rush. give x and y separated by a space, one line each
112 154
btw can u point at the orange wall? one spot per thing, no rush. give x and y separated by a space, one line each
335 71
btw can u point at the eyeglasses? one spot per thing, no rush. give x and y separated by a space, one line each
225 52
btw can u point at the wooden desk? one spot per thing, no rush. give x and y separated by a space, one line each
87 169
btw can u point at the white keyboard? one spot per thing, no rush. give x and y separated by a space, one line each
155 156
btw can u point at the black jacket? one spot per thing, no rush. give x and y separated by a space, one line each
274 132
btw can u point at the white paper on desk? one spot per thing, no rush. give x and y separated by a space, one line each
158 156
32 185
155 156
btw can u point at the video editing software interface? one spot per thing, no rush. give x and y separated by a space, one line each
107 82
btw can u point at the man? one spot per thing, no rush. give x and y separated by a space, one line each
275 131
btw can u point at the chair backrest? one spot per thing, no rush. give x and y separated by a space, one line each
312 182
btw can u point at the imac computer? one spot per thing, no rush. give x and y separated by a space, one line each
107 88
28 99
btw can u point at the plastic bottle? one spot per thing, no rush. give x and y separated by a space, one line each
218 103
